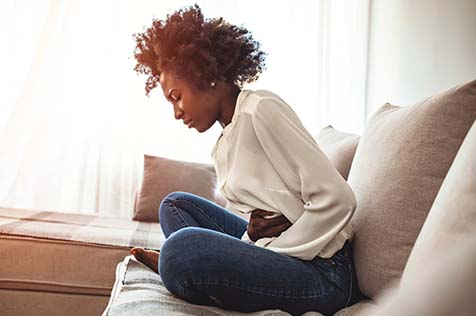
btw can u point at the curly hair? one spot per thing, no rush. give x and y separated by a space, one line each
197 50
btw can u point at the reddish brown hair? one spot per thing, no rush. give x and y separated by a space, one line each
198 50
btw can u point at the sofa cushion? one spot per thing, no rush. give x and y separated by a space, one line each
42 303
67 253
339 147
163 176
398 168
452 218
140 291
444 287
363 307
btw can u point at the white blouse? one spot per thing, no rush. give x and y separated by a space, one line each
266 159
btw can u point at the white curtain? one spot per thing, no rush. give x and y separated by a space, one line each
74 119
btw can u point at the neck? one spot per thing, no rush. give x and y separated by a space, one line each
228 104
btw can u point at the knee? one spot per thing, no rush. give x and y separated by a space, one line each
169 201
179 256
183 247
172 197
183 264
182 255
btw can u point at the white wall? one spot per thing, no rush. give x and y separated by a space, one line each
418 48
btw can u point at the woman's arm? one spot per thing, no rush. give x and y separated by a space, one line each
328 200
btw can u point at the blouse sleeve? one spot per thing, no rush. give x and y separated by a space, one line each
329 202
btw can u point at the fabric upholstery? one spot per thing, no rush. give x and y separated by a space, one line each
452 218
42 303
444 287
362 307
339 147
83 228
57 266
140 291
400 163
163 176
54 263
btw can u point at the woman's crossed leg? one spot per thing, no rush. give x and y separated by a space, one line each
204 262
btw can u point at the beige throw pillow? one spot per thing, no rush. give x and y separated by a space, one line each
444 287
439 277
163 176
400 163
452 217
339 147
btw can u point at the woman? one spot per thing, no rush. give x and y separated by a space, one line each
294 253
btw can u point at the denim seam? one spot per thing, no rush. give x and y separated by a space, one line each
350 287
184 288
177 211
334 271
251 290
339 286
203 212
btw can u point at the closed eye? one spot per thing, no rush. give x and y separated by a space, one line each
173 98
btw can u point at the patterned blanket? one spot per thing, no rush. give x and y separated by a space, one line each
121 232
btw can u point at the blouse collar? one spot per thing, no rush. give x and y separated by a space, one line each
239 101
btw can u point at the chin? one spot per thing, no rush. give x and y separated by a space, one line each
201 130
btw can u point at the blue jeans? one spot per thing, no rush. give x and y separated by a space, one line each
204 261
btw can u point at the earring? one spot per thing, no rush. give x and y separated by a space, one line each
212 83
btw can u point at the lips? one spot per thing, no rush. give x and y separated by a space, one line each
189 123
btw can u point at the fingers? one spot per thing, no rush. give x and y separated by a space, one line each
261 212
135 250
280 220
281 228
259 227
285 225
269 221
275 231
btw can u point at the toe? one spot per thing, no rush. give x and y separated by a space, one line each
136 251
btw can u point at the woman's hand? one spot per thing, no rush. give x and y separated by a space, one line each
259 227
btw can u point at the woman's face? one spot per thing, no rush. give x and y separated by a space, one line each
195 108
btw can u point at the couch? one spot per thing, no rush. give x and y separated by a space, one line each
412 172
414 176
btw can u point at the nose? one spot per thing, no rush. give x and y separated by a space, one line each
177 112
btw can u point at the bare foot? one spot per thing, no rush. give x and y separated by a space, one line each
148 257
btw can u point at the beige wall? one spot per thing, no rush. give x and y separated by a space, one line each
419 47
